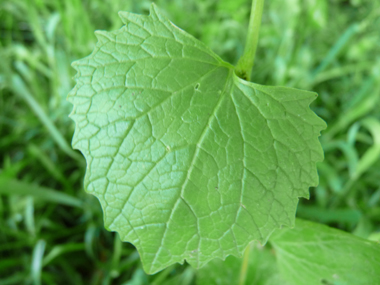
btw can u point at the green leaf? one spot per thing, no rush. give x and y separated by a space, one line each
261 269
312 253
10 187
188 161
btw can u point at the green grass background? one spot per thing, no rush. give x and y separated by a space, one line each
51 231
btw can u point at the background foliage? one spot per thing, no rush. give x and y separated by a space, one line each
52 232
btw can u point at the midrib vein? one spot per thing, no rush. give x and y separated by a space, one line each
226 88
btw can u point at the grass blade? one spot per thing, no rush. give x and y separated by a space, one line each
14 187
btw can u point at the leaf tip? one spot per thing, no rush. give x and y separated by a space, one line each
154 10
132 17
123 16
127 17
102 36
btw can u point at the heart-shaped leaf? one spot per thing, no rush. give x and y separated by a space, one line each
188 160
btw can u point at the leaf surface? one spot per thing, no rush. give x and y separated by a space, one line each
188 161
261 269
313 253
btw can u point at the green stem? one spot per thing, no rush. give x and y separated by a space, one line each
244 67
244 266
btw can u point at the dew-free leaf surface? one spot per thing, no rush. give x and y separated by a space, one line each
313 253
188 161
261 269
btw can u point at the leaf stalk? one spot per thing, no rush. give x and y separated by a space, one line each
244 266
244 66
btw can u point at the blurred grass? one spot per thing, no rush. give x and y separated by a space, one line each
52 232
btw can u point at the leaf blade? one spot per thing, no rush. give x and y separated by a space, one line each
313 253
179 149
